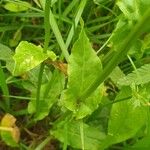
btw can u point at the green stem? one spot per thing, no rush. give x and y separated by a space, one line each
46 42
119 54
42 145
82 134
4 88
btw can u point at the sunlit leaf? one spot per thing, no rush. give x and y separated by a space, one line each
83 68
27 56
17 7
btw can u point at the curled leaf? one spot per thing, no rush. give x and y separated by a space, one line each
10 133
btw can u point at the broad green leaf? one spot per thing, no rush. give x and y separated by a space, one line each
70 131
49 95
137 77
17 7
126 118
83 68
129 8
142 144
27 56
133 10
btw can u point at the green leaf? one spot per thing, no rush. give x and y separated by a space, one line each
27 56
5 53
120 33
83 68
116 75
146 43
142 144
126 118
49 95
17 7
52 55
133 10
70 130
137 77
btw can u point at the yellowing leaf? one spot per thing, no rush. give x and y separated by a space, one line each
8 120
16 134
9 131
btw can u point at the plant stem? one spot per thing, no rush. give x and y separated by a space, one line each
46 42
41 145
119 54
82 134
5 90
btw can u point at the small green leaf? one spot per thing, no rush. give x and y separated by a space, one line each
52 55
5 53
27 56
16 38
17 7
83 68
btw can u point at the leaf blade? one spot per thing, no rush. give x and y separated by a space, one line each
84 67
